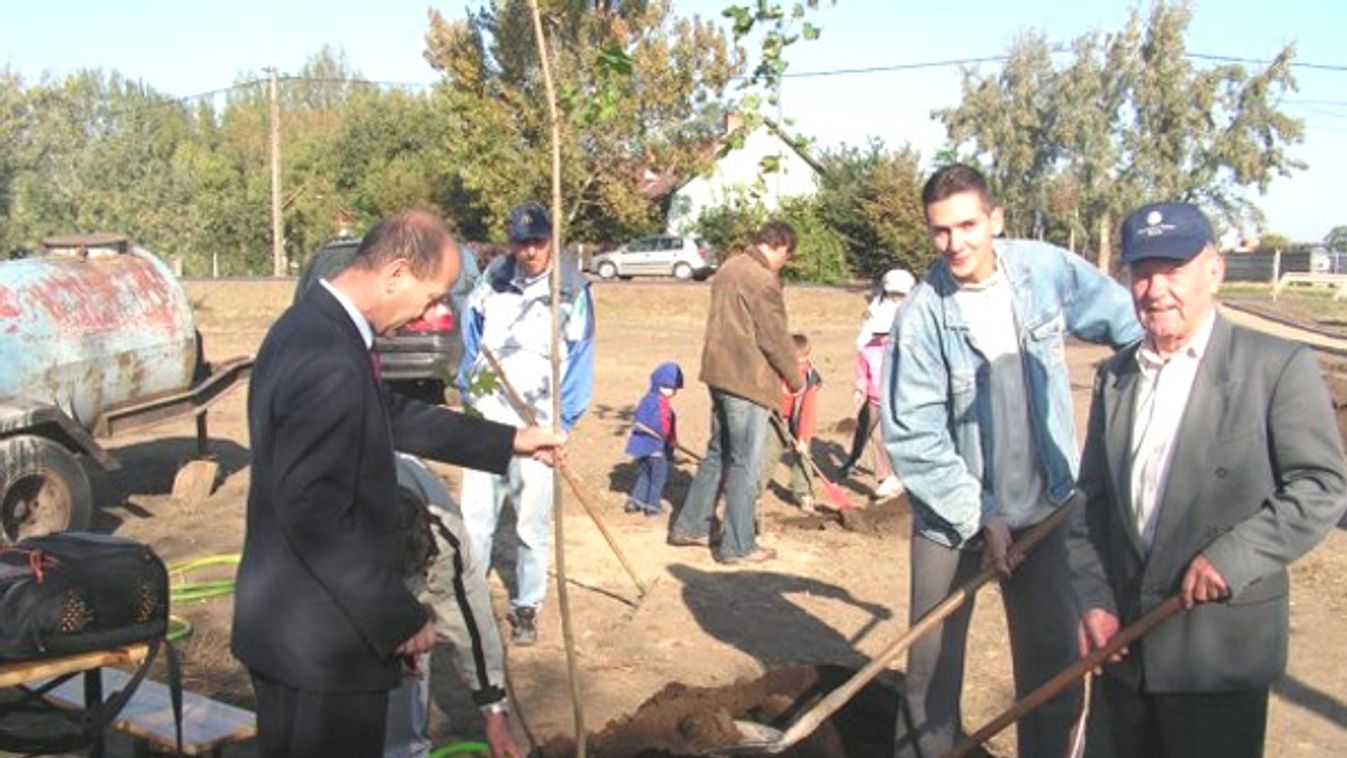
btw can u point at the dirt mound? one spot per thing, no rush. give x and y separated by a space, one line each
892 517
684 721
886 518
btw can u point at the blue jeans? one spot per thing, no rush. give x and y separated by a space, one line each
733 459
652 475
407 734
528 485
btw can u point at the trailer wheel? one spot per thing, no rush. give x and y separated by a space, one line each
44 490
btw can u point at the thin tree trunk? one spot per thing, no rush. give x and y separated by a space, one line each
558 520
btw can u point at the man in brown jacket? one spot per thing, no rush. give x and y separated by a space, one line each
748 352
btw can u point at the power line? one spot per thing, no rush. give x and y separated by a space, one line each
896 67
862 70
1261 62
1303 101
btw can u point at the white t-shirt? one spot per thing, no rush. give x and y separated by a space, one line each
1015 466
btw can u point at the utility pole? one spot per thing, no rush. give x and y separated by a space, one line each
277 223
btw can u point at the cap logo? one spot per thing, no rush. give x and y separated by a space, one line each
1155 226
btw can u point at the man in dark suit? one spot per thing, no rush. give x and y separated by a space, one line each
323 618
1212 462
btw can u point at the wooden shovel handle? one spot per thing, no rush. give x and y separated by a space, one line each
694 455
781 427
830 704
1066 678
531 419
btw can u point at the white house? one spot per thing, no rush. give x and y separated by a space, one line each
740 174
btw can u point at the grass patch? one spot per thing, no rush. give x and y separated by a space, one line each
1314 306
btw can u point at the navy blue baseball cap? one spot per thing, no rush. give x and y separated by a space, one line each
1173 231
528 222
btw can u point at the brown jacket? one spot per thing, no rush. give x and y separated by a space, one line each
748 351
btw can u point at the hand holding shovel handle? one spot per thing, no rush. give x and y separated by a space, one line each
825 708
1066 678
531 419
835 494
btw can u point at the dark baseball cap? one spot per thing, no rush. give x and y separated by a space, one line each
528 222
1173 231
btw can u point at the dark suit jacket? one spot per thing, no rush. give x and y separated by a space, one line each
1255 480
320 604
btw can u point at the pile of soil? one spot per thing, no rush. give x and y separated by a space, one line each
887 518
685 721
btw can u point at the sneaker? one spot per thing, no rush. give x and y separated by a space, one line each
759 555
888 488
525 631
633 507
807 504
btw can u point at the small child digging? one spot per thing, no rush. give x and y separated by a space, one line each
800 414
653 440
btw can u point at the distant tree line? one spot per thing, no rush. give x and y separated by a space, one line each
1069 145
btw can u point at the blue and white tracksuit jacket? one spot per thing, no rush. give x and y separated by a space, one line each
511 315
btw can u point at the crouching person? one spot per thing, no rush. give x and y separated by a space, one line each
448 577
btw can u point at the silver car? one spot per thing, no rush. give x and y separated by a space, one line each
679 257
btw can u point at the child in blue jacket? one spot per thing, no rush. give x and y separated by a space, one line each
653 439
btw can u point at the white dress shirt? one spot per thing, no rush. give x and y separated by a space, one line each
1162 395
361 323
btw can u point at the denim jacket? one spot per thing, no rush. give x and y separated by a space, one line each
936 383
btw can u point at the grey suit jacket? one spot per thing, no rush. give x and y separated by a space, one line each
1256 479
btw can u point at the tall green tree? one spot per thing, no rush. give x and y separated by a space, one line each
1129 119
872 197
1014 113
640 90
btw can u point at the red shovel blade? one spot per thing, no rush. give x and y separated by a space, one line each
837 496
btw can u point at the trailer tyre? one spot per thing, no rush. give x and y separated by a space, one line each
43 487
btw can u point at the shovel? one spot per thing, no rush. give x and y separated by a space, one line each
836 495
694 455
763 739
577 487
1066 678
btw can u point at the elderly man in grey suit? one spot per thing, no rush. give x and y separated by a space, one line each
1212 461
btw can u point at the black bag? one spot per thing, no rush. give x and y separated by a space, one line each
75 592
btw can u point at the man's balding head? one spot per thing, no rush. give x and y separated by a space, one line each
417 236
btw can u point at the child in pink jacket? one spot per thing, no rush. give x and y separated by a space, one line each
869 365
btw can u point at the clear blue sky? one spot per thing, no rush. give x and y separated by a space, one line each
188 47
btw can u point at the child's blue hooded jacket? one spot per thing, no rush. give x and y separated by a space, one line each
651 413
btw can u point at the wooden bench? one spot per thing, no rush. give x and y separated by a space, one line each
1314 279
207 725
87 688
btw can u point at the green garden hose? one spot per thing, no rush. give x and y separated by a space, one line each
182 591
461 748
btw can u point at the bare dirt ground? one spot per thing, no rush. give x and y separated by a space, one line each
834 597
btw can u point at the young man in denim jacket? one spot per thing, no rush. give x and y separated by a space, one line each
977 417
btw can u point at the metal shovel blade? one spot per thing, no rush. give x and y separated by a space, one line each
759 739
754 738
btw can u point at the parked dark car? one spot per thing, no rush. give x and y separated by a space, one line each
421 358
681 257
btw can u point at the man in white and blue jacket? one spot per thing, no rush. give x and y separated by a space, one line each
509 312
977 417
